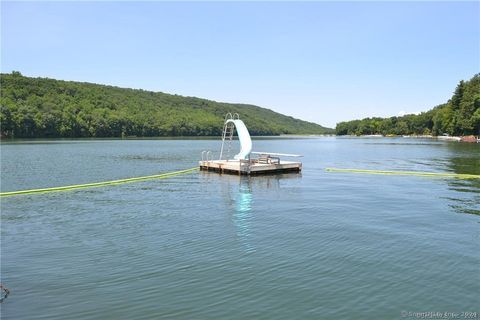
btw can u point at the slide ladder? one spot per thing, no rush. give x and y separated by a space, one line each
227 134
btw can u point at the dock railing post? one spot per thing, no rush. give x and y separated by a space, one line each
208 158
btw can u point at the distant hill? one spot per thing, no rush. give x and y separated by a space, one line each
459 116
42 107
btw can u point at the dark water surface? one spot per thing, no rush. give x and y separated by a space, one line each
317 245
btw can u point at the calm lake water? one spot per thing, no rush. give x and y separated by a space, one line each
315 245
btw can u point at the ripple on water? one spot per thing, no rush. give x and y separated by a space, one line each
202 245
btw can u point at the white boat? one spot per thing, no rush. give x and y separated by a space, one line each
449 138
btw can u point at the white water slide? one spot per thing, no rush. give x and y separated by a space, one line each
243 137
232 124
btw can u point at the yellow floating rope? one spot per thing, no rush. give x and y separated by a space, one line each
96 184
408 173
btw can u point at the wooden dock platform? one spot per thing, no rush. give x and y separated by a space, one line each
250 167
243 163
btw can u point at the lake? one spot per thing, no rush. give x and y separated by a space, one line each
315 245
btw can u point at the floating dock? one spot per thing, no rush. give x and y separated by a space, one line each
246 162
251 167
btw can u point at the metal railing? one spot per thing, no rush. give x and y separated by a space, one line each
207 156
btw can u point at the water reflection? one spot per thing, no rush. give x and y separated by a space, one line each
239 195
242 216
465 158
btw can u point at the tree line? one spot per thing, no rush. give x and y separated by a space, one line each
42 107
460 116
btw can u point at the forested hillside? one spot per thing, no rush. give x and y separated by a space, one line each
41 107
459 116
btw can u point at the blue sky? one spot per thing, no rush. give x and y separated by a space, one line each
319 61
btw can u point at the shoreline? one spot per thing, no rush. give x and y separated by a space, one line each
469 139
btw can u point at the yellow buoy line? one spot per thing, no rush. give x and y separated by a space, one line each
96 184
408 173
171 174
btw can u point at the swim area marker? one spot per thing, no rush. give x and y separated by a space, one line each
171 174
408 173
96 184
